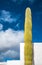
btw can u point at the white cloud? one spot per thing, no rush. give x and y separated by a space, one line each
10 38
6 16
9 54
9 43
1 58
1 26
17 25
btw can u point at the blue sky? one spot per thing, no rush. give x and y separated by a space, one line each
12 16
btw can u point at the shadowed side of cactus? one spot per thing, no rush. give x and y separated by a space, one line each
28 38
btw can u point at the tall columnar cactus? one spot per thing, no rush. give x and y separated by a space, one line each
28 38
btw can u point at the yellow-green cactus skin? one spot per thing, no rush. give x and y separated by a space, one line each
28 57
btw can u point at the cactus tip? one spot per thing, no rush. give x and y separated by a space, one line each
28 10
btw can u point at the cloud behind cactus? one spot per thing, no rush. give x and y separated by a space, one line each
9 44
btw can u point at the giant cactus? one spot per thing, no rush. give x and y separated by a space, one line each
28 38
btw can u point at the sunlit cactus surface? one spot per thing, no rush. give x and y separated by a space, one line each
28 38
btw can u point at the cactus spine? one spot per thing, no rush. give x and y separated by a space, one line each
28 38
